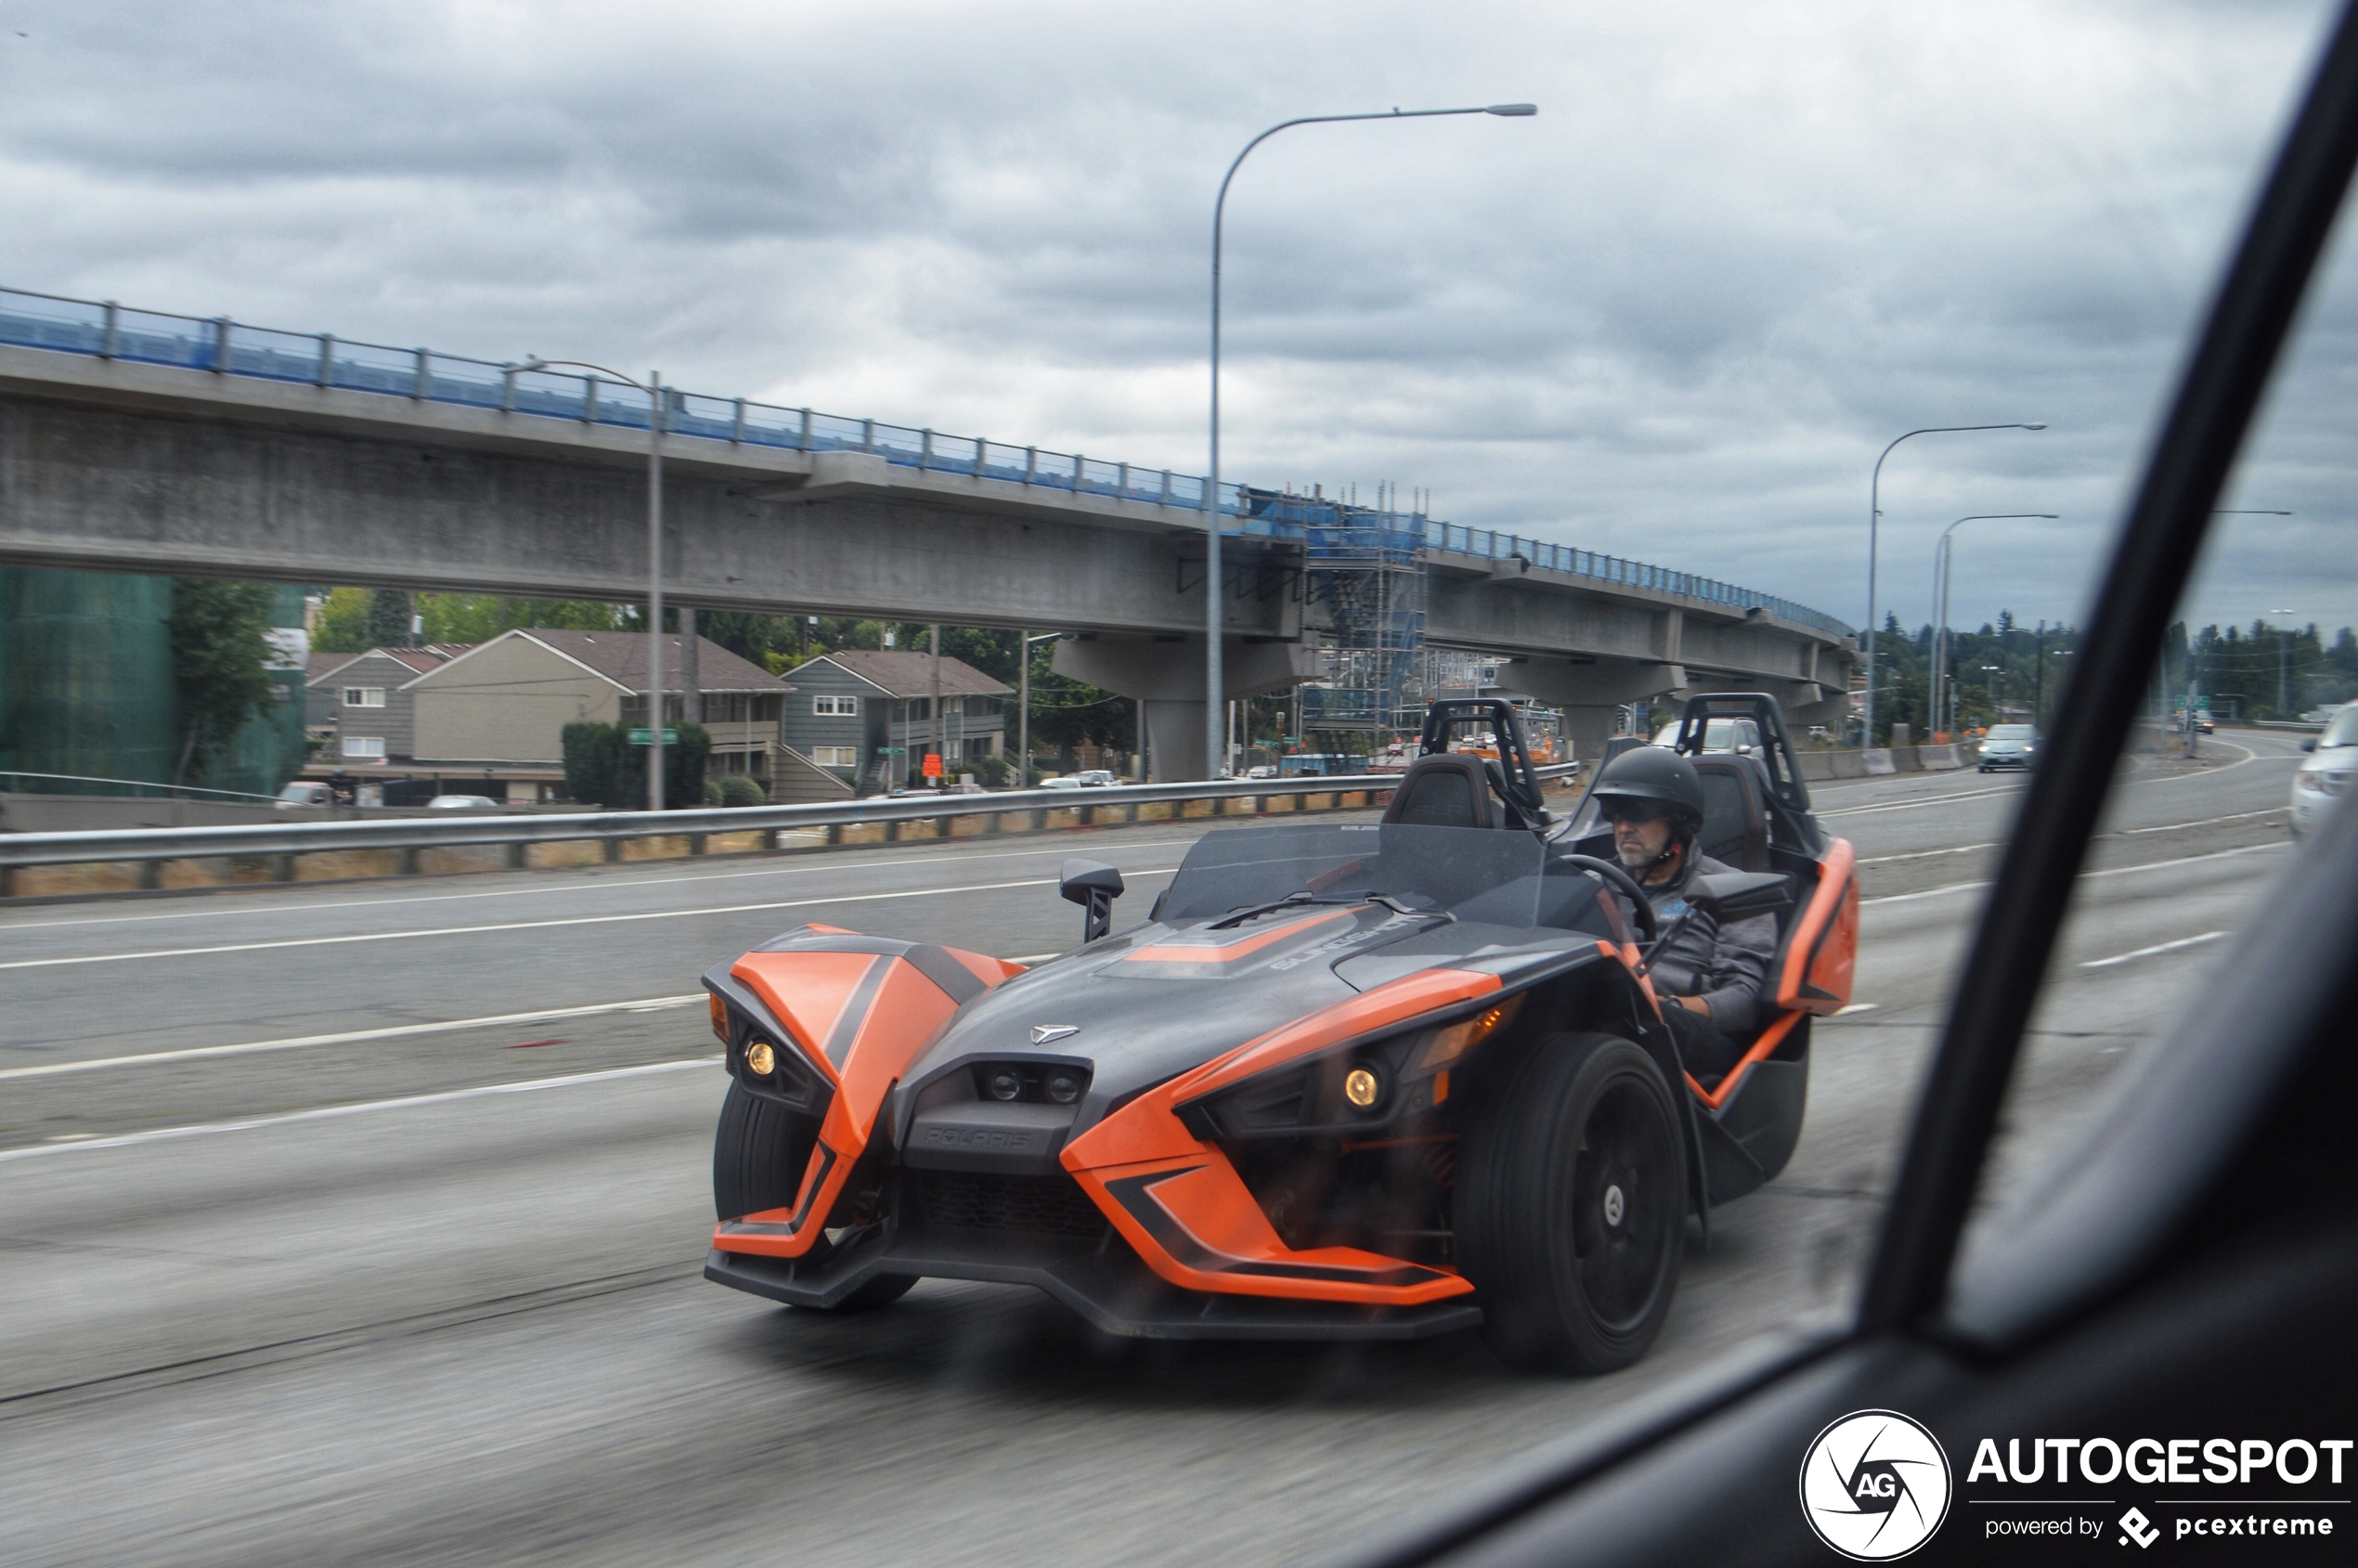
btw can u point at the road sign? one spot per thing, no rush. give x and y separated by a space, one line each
933 764
647 737
892 751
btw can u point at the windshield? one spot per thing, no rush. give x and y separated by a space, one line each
2343 730
1488 875
2010 732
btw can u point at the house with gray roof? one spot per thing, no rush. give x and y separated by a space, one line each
867 715
504 704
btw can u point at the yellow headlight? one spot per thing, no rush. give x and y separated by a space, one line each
761 1060
1360 1087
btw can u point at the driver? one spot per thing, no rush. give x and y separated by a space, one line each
1708 979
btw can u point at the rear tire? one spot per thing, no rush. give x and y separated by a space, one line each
1571 1206
759 1154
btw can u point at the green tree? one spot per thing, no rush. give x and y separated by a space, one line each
344 622
220 654
389 618
479 617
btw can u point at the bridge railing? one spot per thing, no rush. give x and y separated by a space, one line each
755 829
106 330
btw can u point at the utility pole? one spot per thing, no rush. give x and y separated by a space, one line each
933 704
2039 684
1023 704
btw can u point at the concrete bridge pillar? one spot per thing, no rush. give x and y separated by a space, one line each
1166 675
1591 694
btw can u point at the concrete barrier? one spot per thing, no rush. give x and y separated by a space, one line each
1938 758
1877 760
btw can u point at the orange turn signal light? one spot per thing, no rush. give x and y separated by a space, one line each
1447 1045
761 1058
719 1015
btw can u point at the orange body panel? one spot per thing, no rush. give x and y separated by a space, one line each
810 992
1824 954
807 992
1180 1203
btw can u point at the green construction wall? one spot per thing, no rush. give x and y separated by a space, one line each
86 689
85 676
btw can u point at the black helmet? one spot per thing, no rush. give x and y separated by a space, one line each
1655 773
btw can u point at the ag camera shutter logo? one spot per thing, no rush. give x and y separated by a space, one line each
1875 1485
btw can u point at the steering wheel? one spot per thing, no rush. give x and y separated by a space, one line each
1622 883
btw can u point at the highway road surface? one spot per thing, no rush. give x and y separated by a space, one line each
364 1222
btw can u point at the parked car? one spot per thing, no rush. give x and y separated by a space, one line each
1062 781
460 802
1096 778
1261 770
305 792
2331 768
2008 746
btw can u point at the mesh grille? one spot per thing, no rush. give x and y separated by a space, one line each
977 1200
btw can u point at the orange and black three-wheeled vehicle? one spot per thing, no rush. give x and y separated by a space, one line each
1373 1080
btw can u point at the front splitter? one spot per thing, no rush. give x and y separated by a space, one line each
1112 1290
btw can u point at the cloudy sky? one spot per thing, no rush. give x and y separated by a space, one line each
1675 316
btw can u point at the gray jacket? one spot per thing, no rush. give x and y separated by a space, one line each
1727 967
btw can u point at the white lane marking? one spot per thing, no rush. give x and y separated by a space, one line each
2160 827
1930 801
1927 854
2110 871
1856 1007
2205 822
546 924
522 1087
350 1037
587 885
2149 952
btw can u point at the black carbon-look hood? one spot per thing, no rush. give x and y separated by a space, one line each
1155 1000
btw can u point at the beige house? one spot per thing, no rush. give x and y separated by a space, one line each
502 706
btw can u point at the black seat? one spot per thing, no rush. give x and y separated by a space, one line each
1735 820
1446 790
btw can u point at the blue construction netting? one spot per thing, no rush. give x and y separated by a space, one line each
106 330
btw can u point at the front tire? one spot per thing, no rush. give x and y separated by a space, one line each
758 1155
1571 1206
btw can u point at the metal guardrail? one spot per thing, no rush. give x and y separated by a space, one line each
103 329
516 833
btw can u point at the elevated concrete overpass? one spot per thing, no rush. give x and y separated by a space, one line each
230 451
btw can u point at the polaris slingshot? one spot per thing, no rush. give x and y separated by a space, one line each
1373 1080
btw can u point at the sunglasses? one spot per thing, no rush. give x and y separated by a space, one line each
1636 812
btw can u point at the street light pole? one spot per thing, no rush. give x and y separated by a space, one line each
1874 512
2284 662
1215 682
1940 562
653 387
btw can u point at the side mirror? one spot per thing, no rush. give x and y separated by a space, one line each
1094 887
1740 895
2308 745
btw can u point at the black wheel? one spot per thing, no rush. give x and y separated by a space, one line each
1571 1206
759 1154
758 1159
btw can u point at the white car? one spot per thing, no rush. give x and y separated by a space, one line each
305 792
2331 768
460 802
1062 781
1096 778
1261 771
1719 734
